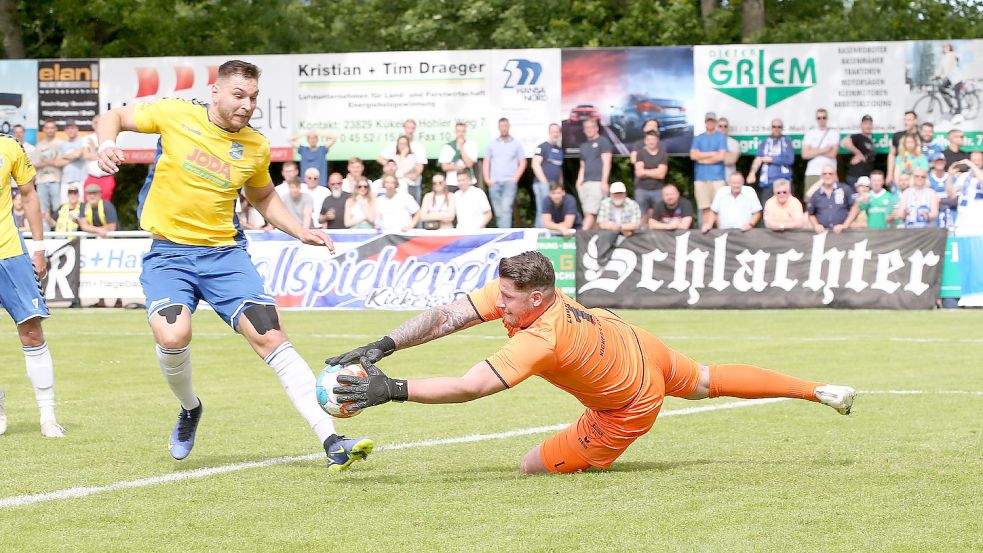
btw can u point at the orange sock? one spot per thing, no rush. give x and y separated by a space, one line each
750 382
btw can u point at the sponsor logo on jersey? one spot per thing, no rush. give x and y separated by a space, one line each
209 167
236 150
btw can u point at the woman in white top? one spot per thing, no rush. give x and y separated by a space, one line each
950 74
405 164
438 210
360 207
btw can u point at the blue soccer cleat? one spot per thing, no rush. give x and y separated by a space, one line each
342 452
183 435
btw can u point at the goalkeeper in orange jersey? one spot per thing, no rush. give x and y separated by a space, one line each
619 371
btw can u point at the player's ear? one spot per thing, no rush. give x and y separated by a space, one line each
537 298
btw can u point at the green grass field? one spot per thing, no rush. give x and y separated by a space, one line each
902 473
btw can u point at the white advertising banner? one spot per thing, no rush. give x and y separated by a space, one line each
368 270
384 271
363 99
525 88
751 84
111 268
133 80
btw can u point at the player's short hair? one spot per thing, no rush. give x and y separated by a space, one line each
912 113
555 185
238 67
877 172
503 120
355 161
529 271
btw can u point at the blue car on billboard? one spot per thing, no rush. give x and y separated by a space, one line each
628 119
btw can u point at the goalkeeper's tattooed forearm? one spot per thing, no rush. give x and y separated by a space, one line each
434 323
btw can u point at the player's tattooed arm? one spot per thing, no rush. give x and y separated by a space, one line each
431 324
435 323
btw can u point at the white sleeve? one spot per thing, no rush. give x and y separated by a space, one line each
471 149
411 204
389 152
756 203
715 205
446 154
485 206
420 151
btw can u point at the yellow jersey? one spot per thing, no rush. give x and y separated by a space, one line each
190 194
13 163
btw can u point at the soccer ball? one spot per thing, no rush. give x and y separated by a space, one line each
326 381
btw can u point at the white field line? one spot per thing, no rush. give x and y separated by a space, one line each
74 493
919 392
502 337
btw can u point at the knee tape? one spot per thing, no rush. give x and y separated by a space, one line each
263 318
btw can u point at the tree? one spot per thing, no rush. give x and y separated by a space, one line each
13 41
752 18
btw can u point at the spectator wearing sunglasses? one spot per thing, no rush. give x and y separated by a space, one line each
733 147
774 161
819 147
783 211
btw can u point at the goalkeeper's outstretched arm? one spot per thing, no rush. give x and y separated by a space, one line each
433 323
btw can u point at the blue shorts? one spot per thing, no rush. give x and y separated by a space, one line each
224 276
20 292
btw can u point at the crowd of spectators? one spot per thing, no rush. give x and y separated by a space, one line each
922 183
66 166
919 186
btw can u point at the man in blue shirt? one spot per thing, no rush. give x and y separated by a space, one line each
830 207
503 166
547 165
774 160
927 133
707 152
314 155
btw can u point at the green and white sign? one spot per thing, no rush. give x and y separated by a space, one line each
751 84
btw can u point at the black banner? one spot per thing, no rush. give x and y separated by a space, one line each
62 282
761 269
68 90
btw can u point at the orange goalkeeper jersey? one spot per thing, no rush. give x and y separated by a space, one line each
590 353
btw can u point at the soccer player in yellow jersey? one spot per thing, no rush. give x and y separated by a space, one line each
206 153
20 275
618 371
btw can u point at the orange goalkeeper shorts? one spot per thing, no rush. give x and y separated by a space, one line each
598 438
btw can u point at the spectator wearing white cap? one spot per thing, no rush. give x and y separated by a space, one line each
619 212
861 196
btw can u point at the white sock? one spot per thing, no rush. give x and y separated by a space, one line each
297 379
41 371
176 366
